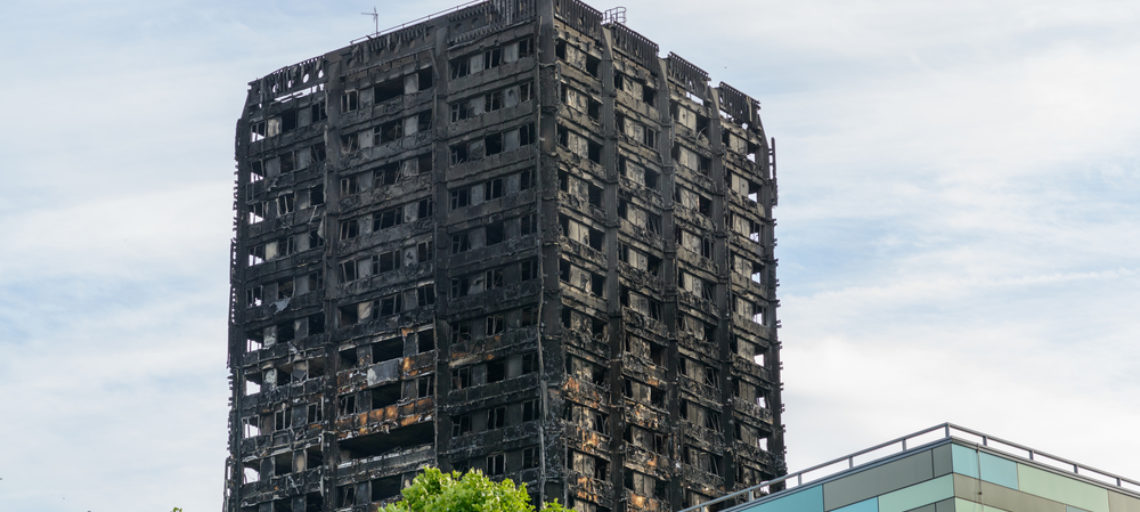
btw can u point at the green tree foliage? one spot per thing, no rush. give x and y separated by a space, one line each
436 491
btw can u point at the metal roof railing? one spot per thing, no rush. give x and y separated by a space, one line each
912 441
417 21
1046 459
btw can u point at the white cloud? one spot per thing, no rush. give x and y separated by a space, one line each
131 235
131 402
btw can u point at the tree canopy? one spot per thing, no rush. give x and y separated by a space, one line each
436 491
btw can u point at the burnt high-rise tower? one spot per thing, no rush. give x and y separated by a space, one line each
511 237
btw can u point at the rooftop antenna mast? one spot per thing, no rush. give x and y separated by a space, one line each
375 19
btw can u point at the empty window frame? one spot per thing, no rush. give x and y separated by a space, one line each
389 305
460 424
506 97
424 386
638 174
388 90
579 145
349 100
581 102
387 174
490 58
460 196
509 140
493 325
352 185
646 439
643 348
493 188
496 464
587 465
645 485
388 218
581 278
643 393
462 242
497 417
461 378
635 87
582 233
425 295
529 457
349 229
636 132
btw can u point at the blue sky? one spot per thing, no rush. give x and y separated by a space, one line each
959 223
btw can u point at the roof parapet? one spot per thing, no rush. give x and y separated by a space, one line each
636 45
742 107
694 79
287 80
582 17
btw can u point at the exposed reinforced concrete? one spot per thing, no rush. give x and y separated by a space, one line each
511 237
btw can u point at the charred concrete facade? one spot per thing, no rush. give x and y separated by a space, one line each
510 237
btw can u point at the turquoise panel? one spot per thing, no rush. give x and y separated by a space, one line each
997 470
965 461
871 505
807 500
918 495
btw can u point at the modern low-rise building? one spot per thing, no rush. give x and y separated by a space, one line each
946 468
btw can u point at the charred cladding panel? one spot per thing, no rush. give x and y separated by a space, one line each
508 238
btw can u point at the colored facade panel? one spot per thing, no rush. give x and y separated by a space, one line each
998 470
961 505
871 505
943 460
946 505
975 463
1062 489
916 496
878 480
807 500
1002 497
1120 503
965 461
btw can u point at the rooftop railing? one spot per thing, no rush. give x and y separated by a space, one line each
417 21
899 445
